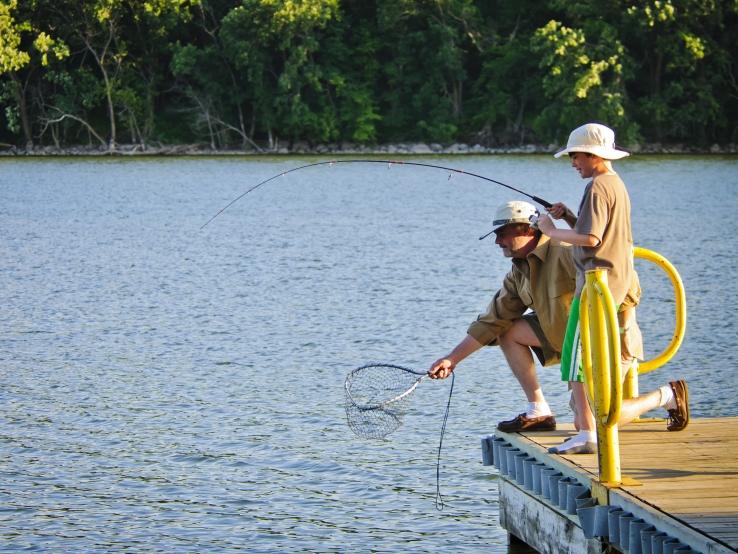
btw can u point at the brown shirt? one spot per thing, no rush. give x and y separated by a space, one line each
605 213
543 282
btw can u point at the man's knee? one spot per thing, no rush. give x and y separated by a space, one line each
504 339
520 333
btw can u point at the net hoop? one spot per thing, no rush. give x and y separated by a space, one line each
361 406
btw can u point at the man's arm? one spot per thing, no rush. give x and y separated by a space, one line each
505 307
443 367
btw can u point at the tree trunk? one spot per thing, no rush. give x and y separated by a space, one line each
457 98
656 91
111 109
100 59
210 130
242 125
519 127
20 98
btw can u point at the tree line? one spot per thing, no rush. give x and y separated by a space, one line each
255 74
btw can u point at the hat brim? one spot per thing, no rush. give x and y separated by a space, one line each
602 152
498 224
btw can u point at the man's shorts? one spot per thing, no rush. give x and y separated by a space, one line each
545 353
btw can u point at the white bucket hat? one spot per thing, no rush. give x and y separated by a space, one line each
516 211
593 138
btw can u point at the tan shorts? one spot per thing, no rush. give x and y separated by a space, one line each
631 340
545 353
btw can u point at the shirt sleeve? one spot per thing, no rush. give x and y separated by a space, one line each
505 307
594 214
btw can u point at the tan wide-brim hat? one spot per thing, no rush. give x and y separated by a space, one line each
593 138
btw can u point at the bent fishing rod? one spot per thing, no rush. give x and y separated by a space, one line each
389 163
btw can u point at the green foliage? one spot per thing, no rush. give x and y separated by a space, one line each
506 95
12 58
24 47
425 51
677 45
11 112
583 77
260 73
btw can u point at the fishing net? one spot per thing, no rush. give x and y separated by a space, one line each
377 398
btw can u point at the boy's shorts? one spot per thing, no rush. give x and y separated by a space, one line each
545 353
631 342
571 366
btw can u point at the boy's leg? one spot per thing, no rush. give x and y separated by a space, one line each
632 408
674 398
584 419
585 441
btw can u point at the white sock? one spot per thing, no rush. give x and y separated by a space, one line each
538 409
667 397
580 439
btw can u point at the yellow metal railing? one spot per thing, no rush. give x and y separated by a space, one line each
600 341
681 309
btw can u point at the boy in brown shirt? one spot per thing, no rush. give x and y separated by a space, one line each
602 239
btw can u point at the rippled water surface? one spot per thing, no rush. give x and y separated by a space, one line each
166 388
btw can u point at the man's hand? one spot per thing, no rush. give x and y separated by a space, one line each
441 368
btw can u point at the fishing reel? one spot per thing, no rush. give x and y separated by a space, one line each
534 220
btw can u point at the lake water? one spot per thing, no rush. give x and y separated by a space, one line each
171 389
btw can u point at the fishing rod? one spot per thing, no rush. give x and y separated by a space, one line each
390 163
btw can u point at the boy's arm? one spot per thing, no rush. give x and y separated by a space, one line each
560 211
548 228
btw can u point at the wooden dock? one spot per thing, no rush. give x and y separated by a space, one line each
679 491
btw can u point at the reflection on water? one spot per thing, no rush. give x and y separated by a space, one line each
166 388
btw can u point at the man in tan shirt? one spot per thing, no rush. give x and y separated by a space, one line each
542 279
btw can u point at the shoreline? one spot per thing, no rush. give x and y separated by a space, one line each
405 149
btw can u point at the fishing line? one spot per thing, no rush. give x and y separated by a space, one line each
389 163
440 504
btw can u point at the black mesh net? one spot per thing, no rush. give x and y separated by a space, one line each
377 397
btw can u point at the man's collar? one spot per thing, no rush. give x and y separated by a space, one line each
540 251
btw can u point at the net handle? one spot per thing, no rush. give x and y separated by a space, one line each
404 394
